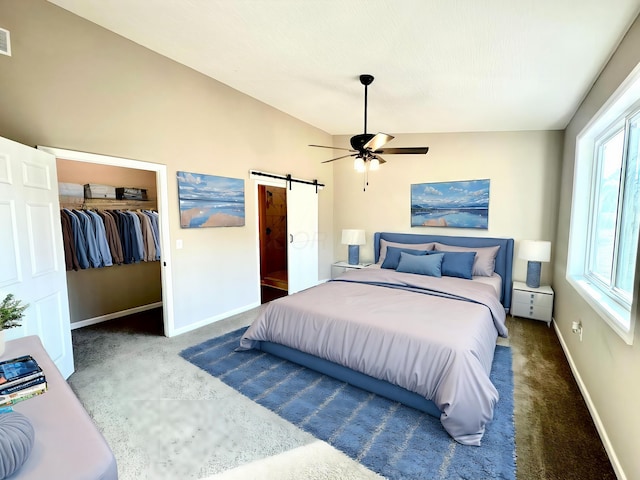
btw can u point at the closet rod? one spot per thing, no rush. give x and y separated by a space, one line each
288 178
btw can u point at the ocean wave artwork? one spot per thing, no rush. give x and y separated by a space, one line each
460 204
210 201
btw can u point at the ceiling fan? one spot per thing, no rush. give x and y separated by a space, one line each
366 147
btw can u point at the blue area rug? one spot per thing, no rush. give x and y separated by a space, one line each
395 441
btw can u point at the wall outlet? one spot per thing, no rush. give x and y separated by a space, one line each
576 327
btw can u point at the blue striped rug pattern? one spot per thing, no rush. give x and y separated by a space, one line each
396 441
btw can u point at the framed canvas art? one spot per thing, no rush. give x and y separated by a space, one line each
460 204
210 201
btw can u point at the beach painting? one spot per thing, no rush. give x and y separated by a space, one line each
462 204
210 201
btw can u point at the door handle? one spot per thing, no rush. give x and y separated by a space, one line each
291 238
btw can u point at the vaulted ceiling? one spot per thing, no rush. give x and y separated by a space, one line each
439 66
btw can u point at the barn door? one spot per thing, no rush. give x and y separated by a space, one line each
302 228
32 266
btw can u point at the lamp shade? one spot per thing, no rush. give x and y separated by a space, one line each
535 250
353 237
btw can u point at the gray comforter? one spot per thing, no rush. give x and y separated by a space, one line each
432 336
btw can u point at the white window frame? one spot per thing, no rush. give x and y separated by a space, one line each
611 307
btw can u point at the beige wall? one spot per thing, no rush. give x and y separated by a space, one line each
523 169
71 84
609 369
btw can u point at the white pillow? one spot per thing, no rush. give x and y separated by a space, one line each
485 262
413 246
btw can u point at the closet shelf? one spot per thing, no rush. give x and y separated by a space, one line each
106 204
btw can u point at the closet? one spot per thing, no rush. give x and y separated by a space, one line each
98 294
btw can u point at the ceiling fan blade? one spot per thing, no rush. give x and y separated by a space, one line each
403 150
333 148
377 141
338 158
380 159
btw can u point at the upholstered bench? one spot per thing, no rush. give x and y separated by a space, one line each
67 443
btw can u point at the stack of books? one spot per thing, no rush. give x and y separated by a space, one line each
20 379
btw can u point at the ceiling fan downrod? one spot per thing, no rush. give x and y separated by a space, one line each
366 80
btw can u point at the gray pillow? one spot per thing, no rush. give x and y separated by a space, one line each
414 246
485 262
16 442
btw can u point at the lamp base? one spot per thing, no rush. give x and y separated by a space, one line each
533 274
354 254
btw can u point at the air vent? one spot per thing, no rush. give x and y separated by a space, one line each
5 42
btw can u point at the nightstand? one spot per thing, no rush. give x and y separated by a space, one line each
347 266
529 302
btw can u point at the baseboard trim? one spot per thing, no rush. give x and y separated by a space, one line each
215 318
613 458
111 316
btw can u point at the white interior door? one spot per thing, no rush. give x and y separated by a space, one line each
302 229
32 266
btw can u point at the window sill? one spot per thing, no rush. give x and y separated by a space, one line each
616 316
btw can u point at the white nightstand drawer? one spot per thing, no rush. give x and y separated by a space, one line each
531 298
526 310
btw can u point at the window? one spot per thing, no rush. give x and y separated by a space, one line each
614 212
605 217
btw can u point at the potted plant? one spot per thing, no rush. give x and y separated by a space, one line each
11 312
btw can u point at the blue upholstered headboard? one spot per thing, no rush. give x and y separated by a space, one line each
504 259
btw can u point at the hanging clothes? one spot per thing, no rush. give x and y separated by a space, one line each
113 239
136 237
78 239
147 238
70 256
154 219
102 238
93 253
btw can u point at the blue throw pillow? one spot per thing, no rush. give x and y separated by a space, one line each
393 256
458 264
422 265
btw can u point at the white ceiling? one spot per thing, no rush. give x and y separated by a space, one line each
440 66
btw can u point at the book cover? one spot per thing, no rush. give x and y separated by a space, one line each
26 383
21 380
17 370
24 394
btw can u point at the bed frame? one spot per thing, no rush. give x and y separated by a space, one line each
504 263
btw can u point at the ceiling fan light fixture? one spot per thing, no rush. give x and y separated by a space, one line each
366 147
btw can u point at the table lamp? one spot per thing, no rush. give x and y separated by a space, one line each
535 252
353 238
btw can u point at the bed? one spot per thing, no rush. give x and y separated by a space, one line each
398 329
